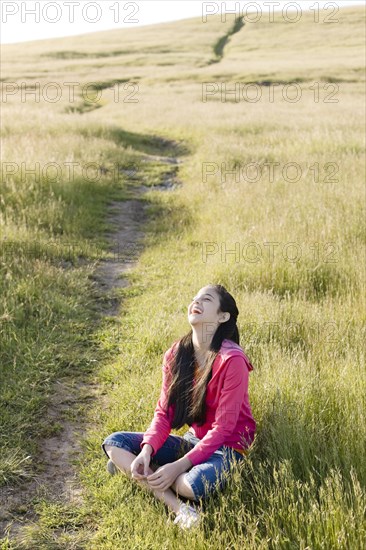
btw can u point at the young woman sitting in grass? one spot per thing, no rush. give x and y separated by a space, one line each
205 385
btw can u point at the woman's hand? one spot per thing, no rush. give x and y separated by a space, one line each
140 465
164 476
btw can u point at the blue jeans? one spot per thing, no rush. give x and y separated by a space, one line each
204 478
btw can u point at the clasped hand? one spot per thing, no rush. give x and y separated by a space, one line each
164 476
161 479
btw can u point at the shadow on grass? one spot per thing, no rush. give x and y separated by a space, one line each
70 54
83 107
221 43
146 143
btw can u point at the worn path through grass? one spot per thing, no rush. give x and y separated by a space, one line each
57 484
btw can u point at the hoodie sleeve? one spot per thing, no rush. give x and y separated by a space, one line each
232 397
160 427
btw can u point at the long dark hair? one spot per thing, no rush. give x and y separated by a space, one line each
190 401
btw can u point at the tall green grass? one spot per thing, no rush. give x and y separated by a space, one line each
301 322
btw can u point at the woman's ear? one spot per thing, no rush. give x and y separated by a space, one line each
225 317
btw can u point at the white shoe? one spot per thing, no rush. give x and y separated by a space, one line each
111 468
187 517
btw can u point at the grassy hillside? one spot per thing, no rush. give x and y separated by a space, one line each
294 214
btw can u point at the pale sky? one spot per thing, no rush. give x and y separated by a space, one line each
25 20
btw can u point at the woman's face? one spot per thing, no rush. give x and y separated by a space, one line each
204 309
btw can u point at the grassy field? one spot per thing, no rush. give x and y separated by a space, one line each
284 232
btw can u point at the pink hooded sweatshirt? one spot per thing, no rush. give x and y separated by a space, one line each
229 419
